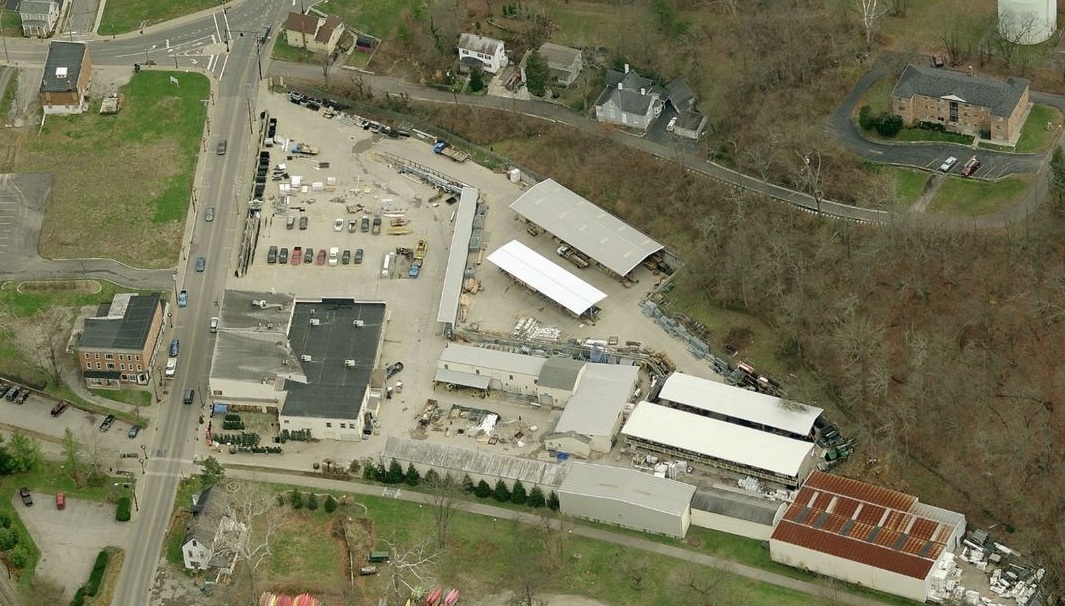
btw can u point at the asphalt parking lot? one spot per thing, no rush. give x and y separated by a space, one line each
70 539
22 200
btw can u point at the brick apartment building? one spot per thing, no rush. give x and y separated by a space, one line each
962 103
117 344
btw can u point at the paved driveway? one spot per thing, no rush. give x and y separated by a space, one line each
70 539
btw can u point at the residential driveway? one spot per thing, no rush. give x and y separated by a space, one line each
926 156
70 539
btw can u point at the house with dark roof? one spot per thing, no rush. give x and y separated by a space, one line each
117 344
205 541
629 100
864 534
962 103
688 121
67 73
487 53
314 33
39 17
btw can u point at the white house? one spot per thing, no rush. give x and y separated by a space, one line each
204 545
314 33
868 535
488 52
629 100
39 17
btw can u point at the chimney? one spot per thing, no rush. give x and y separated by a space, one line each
970 70
626 68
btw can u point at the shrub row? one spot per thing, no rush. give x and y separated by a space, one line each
259 449
298 501
517 494
296 435
122 512
240 439
237 425
883 123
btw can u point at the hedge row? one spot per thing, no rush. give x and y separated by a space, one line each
96 577
122 512
517 494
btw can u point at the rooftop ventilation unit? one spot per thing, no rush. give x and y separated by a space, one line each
349 363
358 323
315 321
305 358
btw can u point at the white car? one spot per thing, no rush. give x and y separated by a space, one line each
171 367
338 225
948 164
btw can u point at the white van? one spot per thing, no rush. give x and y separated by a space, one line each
386 269
334 255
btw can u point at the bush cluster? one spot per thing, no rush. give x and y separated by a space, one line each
296 435
885 124
122 512
96 577
232 422
240 439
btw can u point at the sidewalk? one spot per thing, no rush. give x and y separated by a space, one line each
830 594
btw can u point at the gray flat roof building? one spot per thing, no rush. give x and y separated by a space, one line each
613 243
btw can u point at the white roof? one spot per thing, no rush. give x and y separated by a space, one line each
629 486
491 359
545 276
613 243
739 403
601 395
717 439
451 290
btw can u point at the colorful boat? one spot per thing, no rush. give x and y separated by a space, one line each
451 597
433 598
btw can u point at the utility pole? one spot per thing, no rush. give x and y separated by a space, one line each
251 120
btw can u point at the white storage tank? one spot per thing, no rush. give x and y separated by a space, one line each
1027 21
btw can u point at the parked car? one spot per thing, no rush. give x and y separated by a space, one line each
290 223
352 225
365 226
22 397
27 498
201 264
271 255
60 501
108 421
338 225
214 324
175 346
320 260
297 255
308 255
358 256
208 215
222 147
345 257
133 431
60 408
189 396
282 256
4 388
948 164
303 222
376 225
970 167
183 298
393 369
937 60
11 395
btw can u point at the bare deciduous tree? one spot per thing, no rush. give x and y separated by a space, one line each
410 566
871 11
244 517
444 492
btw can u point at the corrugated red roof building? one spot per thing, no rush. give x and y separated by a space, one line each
865 534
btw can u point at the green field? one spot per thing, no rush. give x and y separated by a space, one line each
373 17
1034 134
126 177
970 197
11 24
124 16
909 184
283 52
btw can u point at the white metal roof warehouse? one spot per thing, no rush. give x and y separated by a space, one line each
546 277
613 243
737 403
628 498
693 434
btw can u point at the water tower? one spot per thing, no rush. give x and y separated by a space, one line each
1027 21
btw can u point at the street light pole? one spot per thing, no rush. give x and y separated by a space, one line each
3 9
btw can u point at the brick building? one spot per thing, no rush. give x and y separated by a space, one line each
65 84
117 344
962 103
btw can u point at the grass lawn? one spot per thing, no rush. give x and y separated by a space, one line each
11 24
481 559
132 210
920 134
136 397
283 52
174 537
124 16
583 23
373 17
44 482
1034 133
970 197
7 96
909 184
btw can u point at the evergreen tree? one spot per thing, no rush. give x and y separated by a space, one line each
482 490
467 483
312 501
552 501
501 493
394 475
412 477
476 82
431 477
536 497
296 500
518 495
330 504
536 74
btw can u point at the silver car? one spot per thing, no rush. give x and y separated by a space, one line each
208 215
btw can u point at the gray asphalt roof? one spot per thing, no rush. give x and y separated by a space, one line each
680 94
610 241
333 390
688 120
479 44
465 460
560 373
629 486
559 57
63 55
736 505
35 7
1000 96
128 331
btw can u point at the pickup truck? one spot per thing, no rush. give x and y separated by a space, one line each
572 256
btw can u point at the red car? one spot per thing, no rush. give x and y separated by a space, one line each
297 255
321 257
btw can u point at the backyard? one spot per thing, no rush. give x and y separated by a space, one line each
131 210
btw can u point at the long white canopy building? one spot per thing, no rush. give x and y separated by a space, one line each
546 277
